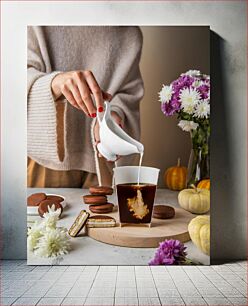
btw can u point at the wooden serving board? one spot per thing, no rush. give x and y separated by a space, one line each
141 236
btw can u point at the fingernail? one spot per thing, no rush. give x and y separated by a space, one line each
93 115
100 109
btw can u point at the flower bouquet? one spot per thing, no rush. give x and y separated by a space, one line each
189 98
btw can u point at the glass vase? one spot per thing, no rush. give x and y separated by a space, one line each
199 160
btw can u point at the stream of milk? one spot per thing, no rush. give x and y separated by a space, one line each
140 162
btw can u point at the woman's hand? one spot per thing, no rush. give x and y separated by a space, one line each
116 118
77 87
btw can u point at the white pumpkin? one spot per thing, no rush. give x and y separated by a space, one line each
199 231
195 200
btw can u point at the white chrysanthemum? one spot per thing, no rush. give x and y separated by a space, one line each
54 242
189 99
165 94
51 217
192 73
34 234
202 110
188 126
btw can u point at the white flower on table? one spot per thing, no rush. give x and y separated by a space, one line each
34 234
189 99
188 126
202 110
47 240
165 94
53 243
51 217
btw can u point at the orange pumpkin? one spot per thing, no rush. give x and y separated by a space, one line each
175 178
204 184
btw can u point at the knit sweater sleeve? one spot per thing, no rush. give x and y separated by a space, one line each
127 99
41 119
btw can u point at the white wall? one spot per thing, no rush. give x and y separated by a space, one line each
229 142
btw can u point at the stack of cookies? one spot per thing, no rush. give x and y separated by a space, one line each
98 201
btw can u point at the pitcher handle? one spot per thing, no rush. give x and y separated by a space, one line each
106 113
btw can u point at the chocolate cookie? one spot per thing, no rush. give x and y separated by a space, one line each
43 206
35 199
94 199
101 190
101 209
55 198
101 221
79 223
163 212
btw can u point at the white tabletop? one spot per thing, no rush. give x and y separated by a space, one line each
87 251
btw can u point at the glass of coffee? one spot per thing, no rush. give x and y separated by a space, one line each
136 188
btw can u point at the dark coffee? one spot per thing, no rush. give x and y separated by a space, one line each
135 202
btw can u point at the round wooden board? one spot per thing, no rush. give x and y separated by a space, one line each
141 236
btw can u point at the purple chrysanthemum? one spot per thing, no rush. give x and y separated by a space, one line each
176 104
169 252
168 108
204 91
183 81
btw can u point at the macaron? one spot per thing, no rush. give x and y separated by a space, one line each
94 199
35 198
55 198
100 221
101 190
163 212
43 207
101 209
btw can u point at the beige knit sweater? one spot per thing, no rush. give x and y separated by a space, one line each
112 54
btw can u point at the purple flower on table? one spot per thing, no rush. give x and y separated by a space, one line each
169 252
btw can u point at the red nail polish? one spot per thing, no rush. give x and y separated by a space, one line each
93 115
100 109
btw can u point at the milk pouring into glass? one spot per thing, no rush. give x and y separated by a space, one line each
136 185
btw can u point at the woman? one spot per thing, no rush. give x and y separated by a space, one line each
71 71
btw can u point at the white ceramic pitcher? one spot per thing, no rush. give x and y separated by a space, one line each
114 141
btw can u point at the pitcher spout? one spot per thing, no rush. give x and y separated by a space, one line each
140 147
